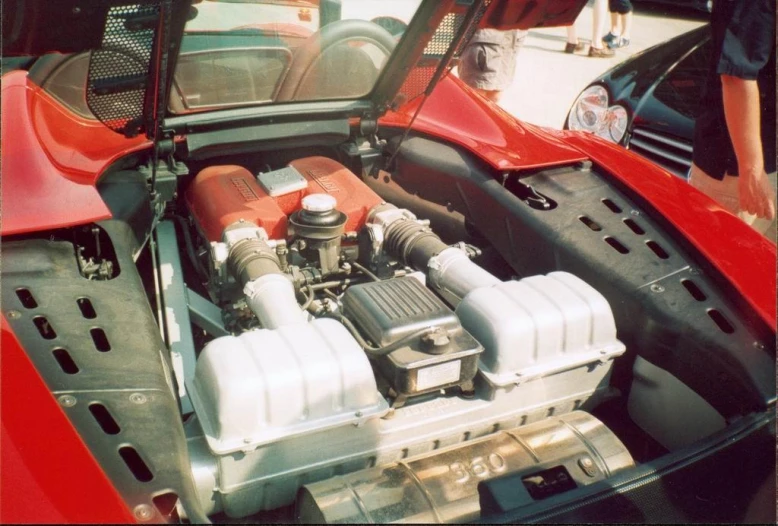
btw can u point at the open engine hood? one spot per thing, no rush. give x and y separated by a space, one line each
126 88
65 26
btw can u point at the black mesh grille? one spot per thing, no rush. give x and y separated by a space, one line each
449 28
444 34
119 70
472 28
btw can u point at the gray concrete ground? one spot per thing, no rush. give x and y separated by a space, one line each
548 80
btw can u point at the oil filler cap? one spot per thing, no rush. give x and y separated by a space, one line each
319 203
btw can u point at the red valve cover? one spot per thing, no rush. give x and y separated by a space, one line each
222 195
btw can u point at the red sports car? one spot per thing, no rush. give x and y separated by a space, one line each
255 272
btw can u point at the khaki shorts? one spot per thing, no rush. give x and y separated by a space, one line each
489 59
727 194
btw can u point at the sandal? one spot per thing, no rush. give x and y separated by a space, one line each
621 42
600 52
574 48
610 37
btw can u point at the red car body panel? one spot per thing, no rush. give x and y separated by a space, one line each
54 155
53 159
506 144
48 475
455 113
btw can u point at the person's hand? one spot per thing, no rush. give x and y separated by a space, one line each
757 196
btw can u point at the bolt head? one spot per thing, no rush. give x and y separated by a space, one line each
436 339
588 466
138 398
657 288
67 400
635 212
143 512
14 314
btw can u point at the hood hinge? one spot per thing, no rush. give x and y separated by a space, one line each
164 170
364 152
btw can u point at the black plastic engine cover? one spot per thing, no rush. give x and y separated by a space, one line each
389 311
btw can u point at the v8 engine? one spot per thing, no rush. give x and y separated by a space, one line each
359 338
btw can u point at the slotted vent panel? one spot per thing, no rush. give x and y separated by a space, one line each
119 70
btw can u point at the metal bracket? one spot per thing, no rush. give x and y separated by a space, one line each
365 150
205 314
175 310
163 175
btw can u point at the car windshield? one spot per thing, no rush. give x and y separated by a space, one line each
244 52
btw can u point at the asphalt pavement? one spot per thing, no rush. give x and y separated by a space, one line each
548 80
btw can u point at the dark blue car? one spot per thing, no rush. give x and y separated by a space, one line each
649 102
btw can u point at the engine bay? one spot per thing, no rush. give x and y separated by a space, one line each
405 347
305 300
358 338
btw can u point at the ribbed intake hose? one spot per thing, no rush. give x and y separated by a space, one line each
449 269
413 244
269 292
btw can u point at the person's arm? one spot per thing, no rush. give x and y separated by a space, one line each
742 112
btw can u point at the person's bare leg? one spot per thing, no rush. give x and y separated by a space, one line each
599 12
572 36
615 24
573 45
626 25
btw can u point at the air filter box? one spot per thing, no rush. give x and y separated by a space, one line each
386 312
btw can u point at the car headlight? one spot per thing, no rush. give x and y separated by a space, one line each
591 112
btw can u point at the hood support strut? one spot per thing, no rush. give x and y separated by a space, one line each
156 95
466 29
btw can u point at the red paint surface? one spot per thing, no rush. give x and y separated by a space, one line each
48 475
745 257
325 176
458 115
53 155
222 195
455 113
